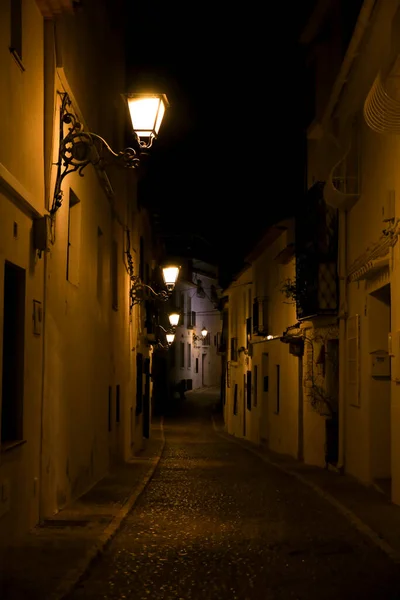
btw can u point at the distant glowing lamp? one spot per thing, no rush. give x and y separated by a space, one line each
170 337
170 275
204 331
174 319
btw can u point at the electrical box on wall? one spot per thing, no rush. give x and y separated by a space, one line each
41 233
394 353
380 363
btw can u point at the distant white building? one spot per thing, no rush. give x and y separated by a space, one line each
194 362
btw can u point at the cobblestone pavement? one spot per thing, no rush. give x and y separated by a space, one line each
218 523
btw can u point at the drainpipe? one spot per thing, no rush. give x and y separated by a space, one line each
48 128
42 466
342 335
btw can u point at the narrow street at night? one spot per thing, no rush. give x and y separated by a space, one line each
217 522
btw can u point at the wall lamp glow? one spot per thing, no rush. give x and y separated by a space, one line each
203 335
170 335
138 288
170 275
174 319
78 148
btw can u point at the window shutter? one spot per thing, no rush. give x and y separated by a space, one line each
248 331
248 390
235 400
353 360
264 316
234 349
255 316
189 313
261 316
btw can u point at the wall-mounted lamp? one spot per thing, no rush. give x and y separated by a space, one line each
170 275
138 288
78 148
174 318
170 335
197 338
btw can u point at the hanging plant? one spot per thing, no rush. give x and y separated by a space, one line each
289 290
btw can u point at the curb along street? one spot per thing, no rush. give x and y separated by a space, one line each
75 575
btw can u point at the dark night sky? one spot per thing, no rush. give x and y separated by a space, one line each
229 158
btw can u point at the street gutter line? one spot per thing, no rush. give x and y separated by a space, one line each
362 527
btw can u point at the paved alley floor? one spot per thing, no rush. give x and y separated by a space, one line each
216 522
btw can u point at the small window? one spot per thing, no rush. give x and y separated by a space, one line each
278 390
74 238
182 355
248 390
255 386
260 325
117 404
114 275
109 408
100 259
235 400
234 349
189 313
248 331
196 368
189 362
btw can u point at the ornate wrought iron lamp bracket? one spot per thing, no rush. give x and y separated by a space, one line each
78 148
139 290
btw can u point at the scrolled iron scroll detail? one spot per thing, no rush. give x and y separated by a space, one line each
140 290
79 148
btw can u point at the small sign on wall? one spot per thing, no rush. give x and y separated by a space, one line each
37 317
380 363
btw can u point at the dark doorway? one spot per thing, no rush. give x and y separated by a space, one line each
13 354
139 383
332 388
